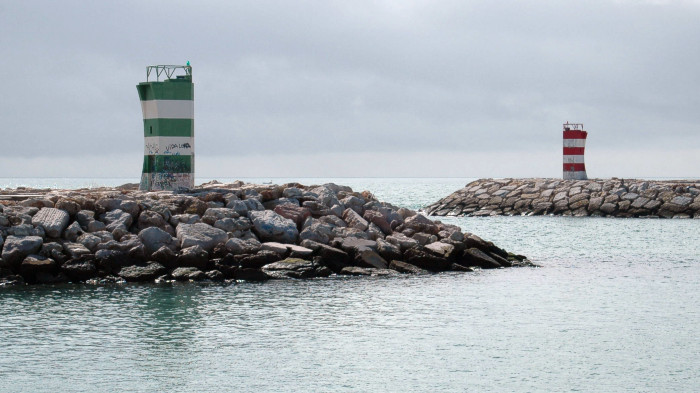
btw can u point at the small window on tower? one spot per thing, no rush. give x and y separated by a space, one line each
151 129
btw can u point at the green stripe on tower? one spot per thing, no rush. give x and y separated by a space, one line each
167 164
168 90
168 127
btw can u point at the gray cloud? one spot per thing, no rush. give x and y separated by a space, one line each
420 78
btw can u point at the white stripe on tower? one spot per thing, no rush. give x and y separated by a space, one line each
168 109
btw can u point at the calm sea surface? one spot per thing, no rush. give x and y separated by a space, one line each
614 307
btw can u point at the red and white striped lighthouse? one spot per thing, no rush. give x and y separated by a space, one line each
574 146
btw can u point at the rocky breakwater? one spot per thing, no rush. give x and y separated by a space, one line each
595 197
224 232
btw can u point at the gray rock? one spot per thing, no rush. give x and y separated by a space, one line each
238 206
17 248
404 267
90 241
355 246
79 270
270 205
402 241
424 238
142 273
84 217
608 208
194 256
275 247
115 218
387 250
149 218
53 220
242 246
154 238
33 264
215 275
290 268
254 205
188 273
421 223
120 231
68 205
476 257
201 235
440 249
184 219
96 226
73 231
292 192
355 203
270 226
354 220
318 232
164 255
369 258
682 200
356 271
75 250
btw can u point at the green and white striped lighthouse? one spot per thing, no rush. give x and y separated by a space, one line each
168 128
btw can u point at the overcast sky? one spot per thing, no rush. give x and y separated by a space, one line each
357 88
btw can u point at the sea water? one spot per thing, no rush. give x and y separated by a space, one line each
614 306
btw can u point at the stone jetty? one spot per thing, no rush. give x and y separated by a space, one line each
596 197
220 232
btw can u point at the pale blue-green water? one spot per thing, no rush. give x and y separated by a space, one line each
614 307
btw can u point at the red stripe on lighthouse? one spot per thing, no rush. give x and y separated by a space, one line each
572 167
575 134
574 151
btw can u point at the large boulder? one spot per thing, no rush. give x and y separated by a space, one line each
369 258
258 260
444 250
270 226
355 246
426 260
295 213
379 220
475 257
148 272
149 218
116 218
154 238
200 234
242 246
420 223
404 267
290 268
188 273
317 232
36 264
17 248
68 205
331 257
354 220
194 256
53 220
79 269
